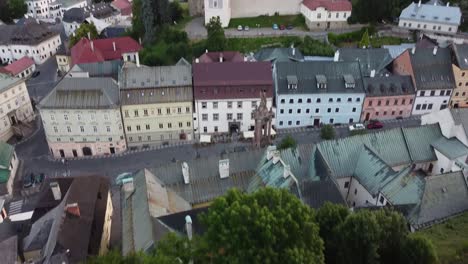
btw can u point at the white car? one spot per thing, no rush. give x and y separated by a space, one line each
239 28
357 126
246 28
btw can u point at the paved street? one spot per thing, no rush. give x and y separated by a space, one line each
196 30
34 153
41 85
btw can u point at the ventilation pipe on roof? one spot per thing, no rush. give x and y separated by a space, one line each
185 172
372 73
55 188
419 4
137 57
413 50
197 60
224 168
188 226
206 51
448 3
139 40
434 52
113 45
337 56
435 2
221 57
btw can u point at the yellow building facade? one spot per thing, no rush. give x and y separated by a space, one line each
459 97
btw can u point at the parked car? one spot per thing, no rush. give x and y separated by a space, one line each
36 73
282 27
289 27
239 28
374 124
246 28
275 26
357 126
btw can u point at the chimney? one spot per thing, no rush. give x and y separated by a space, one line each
435 2
448 3
54 186
185 172
206 51
224 168
419 4
286 171
139 40
137 57
221 57
92 45
113 45
434 52
188 226
89 35
73 209
372 73
197 60
270 151
413 50
245 58
337 56
276 157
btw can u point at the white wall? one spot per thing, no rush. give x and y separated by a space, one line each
40 53
446 123
70 27
285 119
221 8
427 26
358 196
253 8
322 15
222 110
437 101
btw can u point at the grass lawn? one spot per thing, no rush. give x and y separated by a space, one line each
268 21
450 239
253 44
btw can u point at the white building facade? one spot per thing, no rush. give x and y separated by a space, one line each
431 18
51 9
326 14
83 128
311 93
32 40
427 101
15 105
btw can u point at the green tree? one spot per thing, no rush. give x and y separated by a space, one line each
176 12
216 40
138 29
393 232
82 32
17 8
418 250
287 142
329 218
359 236
327 132
365 41
268 226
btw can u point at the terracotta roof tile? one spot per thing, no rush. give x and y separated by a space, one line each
330 5
103 49
18 66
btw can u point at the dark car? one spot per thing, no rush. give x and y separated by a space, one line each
35 74
289 27
374 124
282 27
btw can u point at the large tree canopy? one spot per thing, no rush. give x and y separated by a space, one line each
12 9
216 40
83 31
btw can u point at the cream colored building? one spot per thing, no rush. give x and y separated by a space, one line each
81 117
15 106
156 104
460 72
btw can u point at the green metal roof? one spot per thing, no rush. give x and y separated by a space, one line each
419 142
279 54
451 148
4 175
6 154
372 172
406 188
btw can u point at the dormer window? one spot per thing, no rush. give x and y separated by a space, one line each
321 81
292 81
349 81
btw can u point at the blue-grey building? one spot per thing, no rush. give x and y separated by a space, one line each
318 92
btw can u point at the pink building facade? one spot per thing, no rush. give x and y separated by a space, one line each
388 98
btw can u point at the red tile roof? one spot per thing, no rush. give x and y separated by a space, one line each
232 80
232 56
18 66
124 6
103 49
330 5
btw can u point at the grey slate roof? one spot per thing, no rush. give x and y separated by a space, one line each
7 81
162 84
451 148
460 52
369 59
432 71
444 195
393 85
9 250
77 15
83 93
279 54
460 117
31 33
439 14
306 73
396 50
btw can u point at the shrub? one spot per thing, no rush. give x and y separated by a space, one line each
327 132
287 142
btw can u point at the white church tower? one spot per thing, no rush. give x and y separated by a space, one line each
221 8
